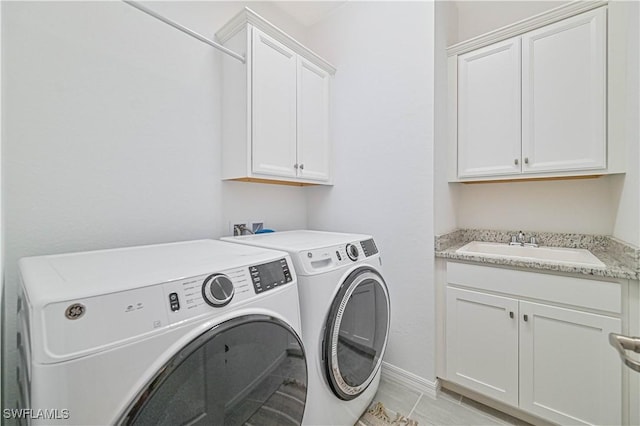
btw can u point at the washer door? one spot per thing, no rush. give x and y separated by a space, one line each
251 369
356 333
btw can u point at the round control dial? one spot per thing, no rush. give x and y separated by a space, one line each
352 252
217 290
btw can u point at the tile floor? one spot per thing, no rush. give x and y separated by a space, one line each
447 409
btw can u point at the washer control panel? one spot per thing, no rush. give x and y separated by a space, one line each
193 296
79 326
198 295
270 275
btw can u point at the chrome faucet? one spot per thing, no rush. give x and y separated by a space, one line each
517 240
520 240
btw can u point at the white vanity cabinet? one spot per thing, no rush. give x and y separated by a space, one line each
275 113
482 343
535 341
532 105
568 373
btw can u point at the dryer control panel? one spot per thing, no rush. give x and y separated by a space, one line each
326 258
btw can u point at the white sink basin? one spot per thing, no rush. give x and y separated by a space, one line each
569 256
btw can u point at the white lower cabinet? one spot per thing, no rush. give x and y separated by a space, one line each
551 361
482 343
568 372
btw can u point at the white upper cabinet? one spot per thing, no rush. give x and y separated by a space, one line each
489 110
564 95
274 107
313 121
275 113
533 104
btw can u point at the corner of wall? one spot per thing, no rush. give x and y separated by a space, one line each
444 193
626 39
1 227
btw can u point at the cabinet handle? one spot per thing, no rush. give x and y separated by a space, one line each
511 314
526 160
295 166
526 317
515 161
301 166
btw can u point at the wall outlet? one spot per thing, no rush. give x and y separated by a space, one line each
257 226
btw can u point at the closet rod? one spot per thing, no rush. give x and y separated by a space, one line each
184 29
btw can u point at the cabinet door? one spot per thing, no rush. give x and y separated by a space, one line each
313 122
482 343
273 107
564 95
568 372
489 110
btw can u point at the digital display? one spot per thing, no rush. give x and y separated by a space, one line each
369 247
270 275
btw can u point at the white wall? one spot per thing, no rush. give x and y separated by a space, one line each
583 206
383 130
445 194
112 134
1 223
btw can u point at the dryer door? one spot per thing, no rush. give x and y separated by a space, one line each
251 369
356 333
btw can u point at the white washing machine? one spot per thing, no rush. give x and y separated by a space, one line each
200 332
344 304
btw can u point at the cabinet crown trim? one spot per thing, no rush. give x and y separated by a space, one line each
248 16
518 28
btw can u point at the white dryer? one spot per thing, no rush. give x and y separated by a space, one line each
200 332
344 304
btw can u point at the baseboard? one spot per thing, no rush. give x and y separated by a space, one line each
410 380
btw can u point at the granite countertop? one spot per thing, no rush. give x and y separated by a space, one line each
621 259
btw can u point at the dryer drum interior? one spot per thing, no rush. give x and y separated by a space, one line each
251 369
356 333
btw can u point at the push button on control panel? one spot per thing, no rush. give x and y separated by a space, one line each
174 302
